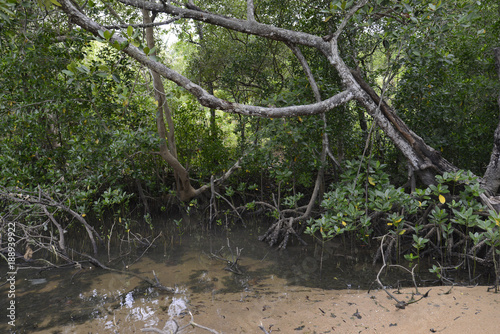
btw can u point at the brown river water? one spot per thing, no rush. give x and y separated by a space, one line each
281 291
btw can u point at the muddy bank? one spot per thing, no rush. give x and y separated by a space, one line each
459 310
280 291
275 306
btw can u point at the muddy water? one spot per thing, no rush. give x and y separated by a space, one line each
91 300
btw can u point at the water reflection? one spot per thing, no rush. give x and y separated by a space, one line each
94 300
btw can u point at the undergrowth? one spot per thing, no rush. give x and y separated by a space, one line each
446 221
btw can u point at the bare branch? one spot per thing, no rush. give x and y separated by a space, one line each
250 11
113 12
348 17
143 25
206 99
244 26
310 77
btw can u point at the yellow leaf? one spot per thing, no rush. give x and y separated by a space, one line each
402 232
344 223
442 199
397 221
371 181
83 215
120 219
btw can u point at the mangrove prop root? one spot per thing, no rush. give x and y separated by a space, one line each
232 264
33 201
400 304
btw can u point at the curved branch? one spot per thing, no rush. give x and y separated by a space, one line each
143 25
245 26
348 17
206 99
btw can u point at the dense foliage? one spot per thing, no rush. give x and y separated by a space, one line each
446 220
78 118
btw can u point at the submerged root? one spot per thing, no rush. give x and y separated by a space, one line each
280 231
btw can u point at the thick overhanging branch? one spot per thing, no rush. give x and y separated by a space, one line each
426 161
245 26
143 25
206 99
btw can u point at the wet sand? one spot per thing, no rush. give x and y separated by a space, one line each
293 309
446 310
228 303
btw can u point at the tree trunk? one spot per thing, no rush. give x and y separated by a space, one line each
213 123
491 178
168 149
423 159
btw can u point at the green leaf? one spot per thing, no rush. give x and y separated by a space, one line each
137 33
72 67
107 35
130 31
103 68
117 45
146 50
55 3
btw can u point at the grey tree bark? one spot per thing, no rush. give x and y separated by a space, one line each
491 179
168 149
423 159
